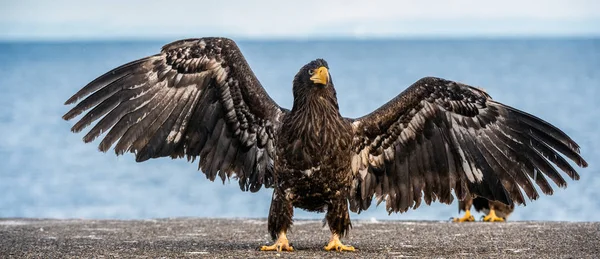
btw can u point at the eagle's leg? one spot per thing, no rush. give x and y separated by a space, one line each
281 244
466 217
338 220
491 216
280 220
466 206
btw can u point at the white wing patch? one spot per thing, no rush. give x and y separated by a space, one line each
473 172
355 125
310 171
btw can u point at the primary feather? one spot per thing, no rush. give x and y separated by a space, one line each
440 135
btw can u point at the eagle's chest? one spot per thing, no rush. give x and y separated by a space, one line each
320 144
313 163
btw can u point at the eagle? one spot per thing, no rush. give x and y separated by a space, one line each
198 98
496 211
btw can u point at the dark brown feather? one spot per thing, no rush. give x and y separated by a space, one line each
445 135
198 97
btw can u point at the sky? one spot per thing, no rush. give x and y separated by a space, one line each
143 19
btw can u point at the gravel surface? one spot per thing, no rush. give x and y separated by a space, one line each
240 238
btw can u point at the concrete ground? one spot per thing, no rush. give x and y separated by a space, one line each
240 238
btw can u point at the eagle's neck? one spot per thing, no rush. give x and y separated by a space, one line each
315 102
315 119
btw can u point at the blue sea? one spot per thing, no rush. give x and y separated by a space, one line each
47 171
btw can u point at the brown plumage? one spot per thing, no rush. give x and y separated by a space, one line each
484 205
198 98
495 211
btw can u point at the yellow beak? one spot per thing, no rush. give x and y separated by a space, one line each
320 76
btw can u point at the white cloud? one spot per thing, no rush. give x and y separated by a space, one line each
111 18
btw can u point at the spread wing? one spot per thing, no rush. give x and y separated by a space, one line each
198 97
440 135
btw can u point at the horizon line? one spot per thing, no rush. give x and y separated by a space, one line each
307 38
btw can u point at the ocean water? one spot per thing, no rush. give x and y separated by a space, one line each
47 171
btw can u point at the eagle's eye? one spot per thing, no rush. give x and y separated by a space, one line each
311 72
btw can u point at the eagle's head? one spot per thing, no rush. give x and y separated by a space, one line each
313 80
313 77
313 74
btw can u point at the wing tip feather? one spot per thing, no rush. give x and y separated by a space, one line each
582 163
71 100
71 114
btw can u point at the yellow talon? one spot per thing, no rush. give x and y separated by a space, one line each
466 217
336 244
491 217
281 244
